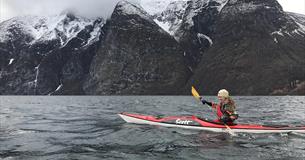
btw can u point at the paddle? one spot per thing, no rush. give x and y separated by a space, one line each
195 93
197 96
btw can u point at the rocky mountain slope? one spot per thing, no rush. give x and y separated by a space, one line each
257 49
136 57
251 47
41 54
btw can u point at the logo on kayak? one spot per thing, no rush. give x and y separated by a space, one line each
179 121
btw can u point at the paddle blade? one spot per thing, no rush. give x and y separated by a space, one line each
195 93
230 131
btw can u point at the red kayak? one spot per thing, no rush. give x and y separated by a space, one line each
193 122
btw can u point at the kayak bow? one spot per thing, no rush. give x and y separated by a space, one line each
193 122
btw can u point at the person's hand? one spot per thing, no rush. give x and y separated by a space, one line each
202 100
233 117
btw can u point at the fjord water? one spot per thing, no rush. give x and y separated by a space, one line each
89 128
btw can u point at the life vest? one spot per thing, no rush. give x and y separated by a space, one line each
220 110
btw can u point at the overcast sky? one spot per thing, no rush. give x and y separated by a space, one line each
11 8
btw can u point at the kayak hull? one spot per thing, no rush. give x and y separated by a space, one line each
192 122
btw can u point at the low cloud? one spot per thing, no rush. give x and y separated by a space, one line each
89 8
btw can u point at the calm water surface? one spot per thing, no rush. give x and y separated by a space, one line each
47 128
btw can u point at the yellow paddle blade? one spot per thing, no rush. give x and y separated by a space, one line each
195 93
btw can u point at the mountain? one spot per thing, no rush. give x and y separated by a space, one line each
250 47
180 19
40 53
257 49
136 57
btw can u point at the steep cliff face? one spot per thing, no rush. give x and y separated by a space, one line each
257 49
136 57
197 26
36 51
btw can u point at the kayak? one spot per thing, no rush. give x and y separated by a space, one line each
193 122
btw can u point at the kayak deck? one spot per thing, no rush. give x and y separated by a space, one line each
193 122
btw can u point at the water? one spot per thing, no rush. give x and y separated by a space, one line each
89 128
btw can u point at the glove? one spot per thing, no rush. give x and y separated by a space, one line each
234 116
202 100
225 118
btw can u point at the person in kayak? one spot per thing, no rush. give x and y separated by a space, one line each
225 109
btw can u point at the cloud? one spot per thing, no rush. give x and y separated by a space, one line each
89 8
297 6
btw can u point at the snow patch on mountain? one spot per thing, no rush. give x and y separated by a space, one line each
170 14
154 7
166 13
96 33
64 27
11 61
11 25
130 8
203 36
164 25
94 36
222 4
279 32
299 19
59 87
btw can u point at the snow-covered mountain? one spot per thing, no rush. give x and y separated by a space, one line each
36 51
203 27
39 29
171 18
154 7
167 14
171 14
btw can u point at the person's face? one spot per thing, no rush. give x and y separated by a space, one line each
223 100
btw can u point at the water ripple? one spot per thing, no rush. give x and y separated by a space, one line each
89 128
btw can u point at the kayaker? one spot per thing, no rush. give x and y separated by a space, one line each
225 109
